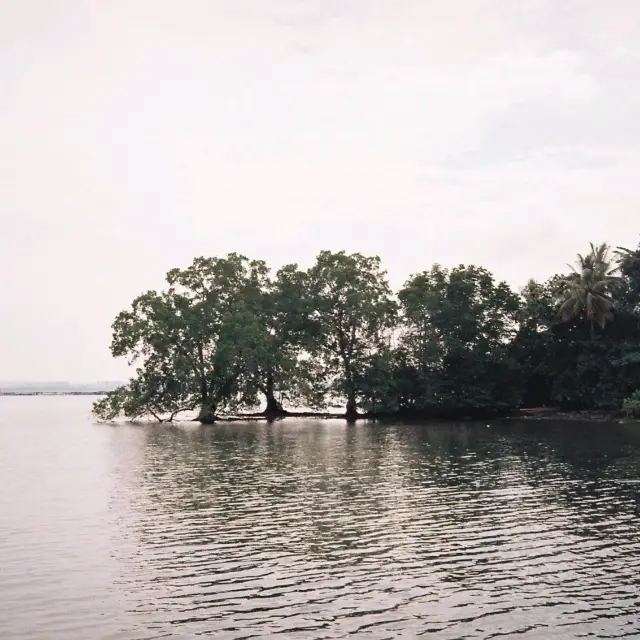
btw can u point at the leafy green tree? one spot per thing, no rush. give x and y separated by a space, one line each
590 289
629 268
535 343
287 328
150 393
379 383
351 312
112 405
576 370
202 339
562 362
225 335
458 326
631 405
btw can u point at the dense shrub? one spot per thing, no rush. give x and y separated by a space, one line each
631 405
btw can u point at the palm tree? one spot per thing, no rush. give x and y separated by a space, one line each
591 288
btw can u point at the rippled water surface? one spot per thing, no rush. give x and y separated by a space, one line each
315 529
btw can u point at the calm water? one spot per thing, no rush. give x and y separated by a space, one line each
315 529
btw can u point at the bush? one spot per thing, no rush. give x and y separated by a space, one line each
631 405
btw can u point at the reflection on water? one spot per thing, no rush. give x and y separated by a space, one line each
315 529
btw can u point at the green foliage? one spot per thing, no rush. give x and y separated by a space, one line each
591 288
351 311
457 328
586 357
199 343
379 383
111 406
629 269
533 344
224 335
631 405
285 320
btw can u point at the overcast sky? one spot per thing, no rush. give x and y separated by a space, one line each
137 134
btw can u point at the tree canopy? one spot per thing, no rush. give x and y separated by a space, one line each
591 288
458 325
226 335
352 307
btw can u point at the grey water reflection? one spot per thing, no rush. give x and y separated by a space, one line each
315 529
321 530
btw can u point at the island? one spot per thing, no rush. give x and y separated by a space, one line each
226 337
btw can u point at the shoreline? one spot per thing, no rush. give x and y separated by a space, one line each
578 415
529 414
533 414
14 394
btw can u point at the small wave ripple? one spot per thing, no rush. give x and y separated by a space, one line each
319 530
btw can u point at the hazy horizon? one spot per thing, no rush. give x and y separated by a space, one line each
137 135
58 386
70 383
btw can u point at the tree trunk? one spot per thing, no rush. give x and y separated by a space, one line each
274 408
351 413
207 414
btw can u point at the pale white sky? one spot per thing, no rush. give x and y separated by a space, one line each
136 134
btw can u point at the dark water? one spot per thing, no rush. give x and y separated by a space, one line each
315 530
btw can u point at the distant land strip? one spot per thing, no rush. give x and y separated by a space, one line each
53 393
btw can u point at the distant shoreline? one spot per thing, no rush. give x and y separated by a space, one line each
579 415
53 393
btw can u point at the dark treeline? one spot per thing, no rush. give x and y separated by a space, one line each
227 336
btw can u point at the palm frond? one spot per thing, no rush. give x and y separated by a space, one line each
590 287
